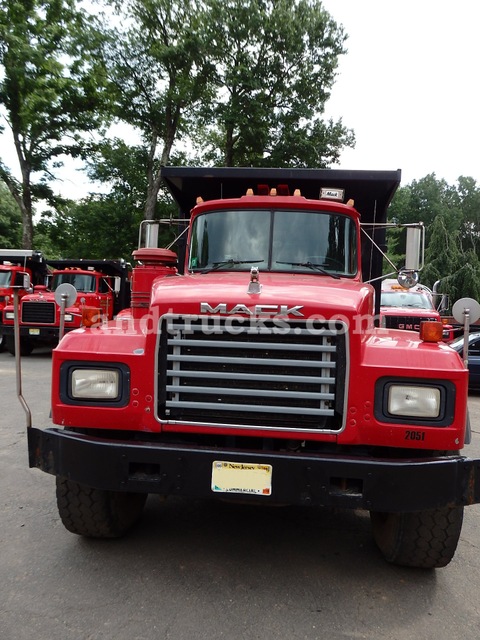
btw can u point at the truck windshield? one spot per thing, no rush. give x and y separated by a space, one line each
281 240
401 299
5 278
81 281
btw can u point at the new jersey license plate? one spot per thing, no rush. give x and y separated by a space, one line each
242 477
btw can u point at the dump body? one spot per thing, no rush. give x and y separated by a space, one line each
254 368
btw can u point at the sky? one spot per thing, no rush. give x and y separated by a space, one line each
408 87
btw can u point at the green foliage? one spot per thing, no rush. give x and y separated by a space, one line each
452 221
234 82
275 65
51 91
97 227
10 220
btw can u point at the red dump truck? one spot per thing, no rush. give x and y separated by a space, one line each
103 289
14 263
250 367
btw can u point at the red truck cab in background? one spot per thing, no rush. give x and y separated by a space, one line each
14 264
103 289
252 369
402 308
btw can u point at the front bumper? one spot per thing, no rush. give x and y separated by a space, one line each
390 485
44 333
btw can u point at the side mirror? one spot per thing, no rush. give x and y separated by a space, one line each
408 276
22 281
415 248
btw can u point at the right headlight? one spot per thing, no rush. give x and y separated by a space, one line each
413 401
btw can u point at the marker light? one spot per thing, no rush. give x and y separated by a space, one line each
91 316
431 331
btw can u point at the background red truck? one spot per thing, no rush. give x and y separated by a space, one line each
14 263
103 289
402 308
252 370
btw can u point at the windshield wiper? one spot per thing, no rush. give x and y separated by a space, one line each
313 266
228 263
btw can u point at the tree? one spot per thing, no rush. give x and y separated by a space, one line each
100 226
50 93
450 215
276 63
469 203
160 70
10 220
226 82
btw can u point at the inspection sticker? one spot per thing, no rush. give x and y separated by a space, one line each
242 477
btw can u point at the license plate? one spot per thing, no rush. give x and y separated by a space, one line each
34 332
242 477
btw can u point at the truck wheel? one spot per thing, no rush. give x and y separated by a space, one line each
2 342
425 539
95 513
26 346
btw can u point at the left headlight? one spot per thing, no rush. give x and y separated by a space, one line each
97 384
9 315
414 402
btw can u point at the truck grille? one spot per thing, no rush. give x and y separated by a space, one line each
38 312
255 373
411 323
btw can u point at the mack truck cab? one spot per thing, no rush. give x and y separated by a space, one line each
250 367
102 288
14 265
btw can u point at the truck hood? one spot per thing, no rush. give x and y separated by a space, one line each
293 295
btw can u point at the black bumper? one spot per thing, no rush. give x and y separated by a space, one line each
45 333
297 478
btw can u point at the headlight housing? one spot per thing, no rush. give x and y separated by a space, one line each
9 315
98 384
94 383
413 401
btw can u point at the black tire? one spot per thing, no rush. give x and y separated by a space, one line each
95 513
2 342
425 539
26 345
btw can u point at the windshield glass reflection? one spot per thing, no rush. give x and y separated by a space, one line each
274 241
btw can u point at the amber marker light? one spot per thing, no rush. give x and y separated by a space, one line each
431 331
91 316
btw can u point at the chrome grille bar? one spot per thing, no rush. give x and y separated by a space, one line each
217 374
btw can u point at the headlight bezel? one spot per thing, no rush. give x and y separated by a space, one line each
447 391
67 370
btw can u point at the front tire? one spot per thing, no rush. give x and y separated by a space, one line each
424 539
26 346
95 513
